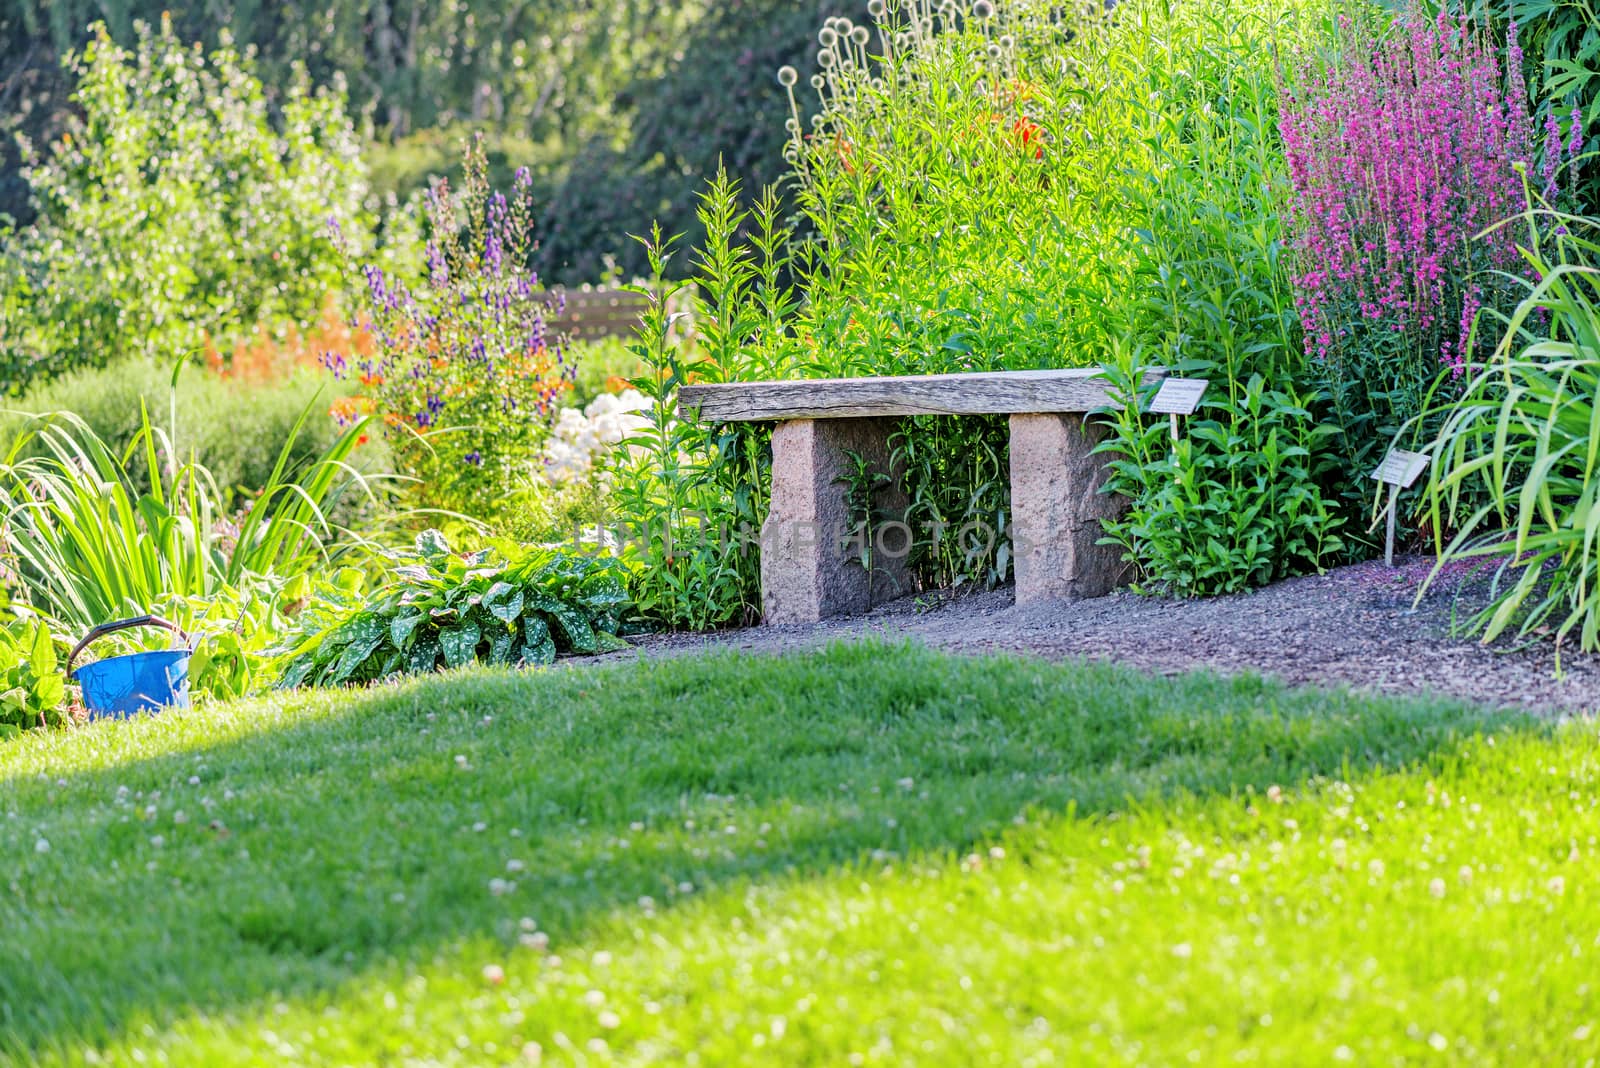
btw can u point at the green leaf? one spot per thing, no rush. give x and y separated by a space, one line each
433 547
537 647
504 601
42 654
424 656
358 651
578 632
49 691
460 645
402 627
297 671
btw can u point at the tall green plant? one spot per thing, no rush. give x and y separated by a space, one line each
1525 439
88 544
178 203
1247 495
692 496
33 692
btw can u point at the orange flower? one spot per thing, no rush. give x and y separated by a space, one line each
1016 91
1027 132
347 410
617 384
846 153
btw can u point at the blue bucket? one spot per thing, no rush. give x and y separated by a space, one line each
122 686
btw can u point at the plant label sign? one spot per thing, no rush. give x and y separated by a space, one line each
1178 396
1398 470
1401 468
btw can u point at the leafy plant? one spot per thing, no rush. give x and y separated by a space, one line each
235 630
1525 435
32 688
465 368
89 543
1245 497
1231 504
1402 155
690 497
438 609
178 204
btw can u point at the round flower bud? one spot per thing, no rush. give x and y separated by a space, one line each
860 35
787 76
826 59
983 9
877 8
818 81
827 37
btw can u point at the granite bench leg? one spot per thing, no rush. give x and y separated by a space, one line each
1056 508
810 549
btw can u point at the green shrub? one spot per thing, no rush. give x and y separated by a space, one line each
1231 504
234 430
88 543
1250 494
438 609
1525 438
33 690
178 204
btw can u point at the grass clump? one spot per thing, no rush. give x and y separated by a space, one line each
870 854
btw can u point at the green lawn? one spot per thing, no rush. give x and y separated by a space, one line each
871 855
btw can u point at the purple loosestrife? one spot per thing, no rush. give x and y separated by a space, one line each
1400 155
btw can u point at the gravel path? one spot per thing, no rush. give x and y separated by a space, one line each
1354 625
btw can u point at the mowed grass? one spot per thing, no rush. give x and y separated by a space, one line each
869 855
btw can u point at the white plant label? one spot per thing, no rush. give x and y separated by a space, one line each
1178 396
1401 468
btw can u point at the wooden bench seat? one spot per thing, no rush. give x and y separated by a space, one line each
810 543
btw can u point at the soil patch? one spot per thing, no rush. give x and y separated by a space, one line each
1354 625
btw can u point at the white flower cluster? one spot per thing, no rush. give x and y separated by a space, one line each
582 440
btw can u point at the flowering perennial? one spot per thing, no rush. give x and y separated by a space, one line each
464 367
1400 157
581 441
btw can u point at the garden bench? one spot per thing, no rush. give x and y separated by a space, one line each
810 547
590 313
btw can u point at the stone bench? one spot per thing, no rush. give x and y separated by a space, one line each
810 566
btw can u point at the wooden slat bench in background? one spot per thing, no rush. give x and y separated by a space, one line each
809 565
590 313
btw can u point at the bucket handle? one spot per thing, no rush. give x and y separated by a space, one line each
122 624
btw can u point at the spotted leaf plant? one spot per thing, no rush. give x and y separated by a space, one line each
440 609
